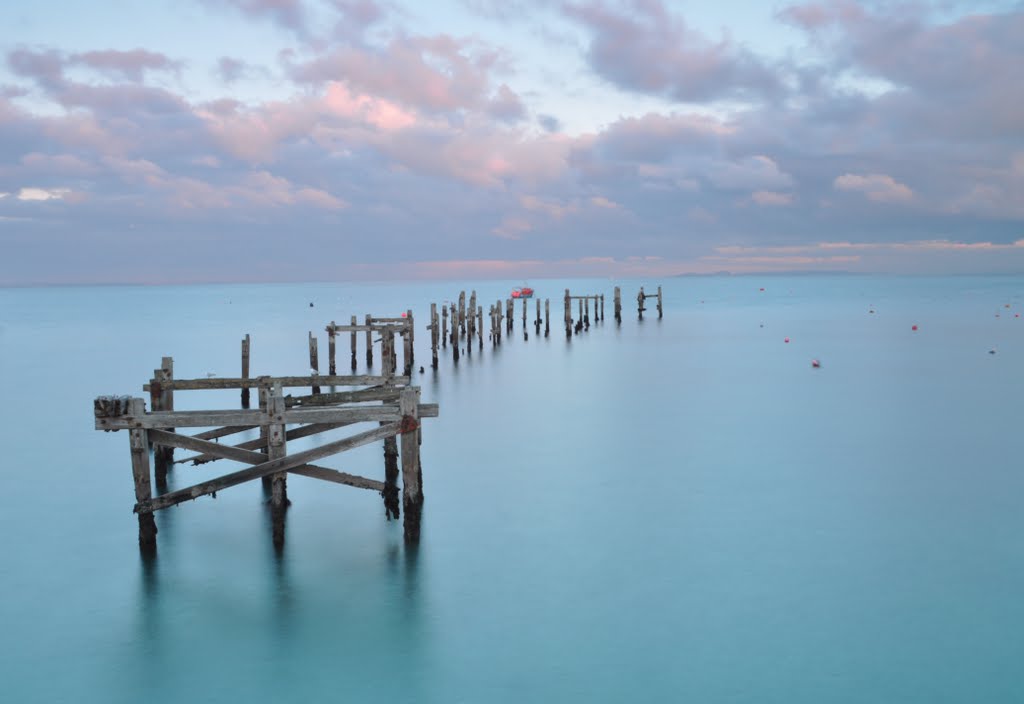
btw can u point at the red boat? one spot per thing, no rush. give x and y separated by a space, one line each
524 292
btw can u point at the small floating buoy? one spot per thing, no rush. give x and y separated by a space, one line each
871 311
913 327
786 340
816 364
311 304
1007 305
404 314
1016 315
991 351
762 288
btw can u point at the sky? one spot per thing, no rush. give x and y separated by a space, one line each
187 141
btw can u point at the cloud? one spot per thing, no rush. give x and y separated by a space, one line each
130 65
772 198
42 194
880 188
643 48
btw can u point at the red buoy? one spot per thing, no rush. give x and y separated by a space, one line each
786 340
913 327
815 363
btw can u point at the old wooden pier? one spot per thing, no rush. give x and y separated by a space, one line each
387 401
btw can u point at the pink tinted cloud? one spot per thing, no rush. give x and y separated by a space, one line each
880 188
772 198
436 73
382 114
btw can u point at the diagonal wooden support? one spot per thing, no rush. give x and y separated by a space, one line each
266 468
228 452
293 434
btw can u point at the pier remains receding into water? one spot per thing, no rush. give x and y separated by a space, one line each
386 399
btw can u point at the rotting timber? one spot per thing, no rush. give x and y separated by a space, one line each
386 401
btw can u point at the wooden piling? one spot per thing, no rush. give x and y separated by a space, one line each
602 308
139 443
480 324
245 370
455 332
411 327
640 303
617 305
162 399
407 348
462 316
579 322
314 361
659 302
353 341
276 449
471 322
434 334
568 315
444 326
547 316
510 315
412 480
586 312
390 492
369 343
536 323
332 350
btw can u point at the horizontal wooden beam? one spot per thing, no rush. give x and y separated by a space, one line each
377 393
295 416
186 442
284 381
282 464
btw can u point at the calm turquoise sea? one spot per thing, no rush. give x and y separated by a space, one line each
675 510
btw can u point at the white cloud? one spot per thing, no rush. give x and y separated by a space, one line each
42 194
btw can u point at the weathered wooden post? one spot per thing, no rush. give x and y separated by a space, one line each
579 322
547 316
480 325
409 352
263 398
510 315
162 399
568 315
536 322
139 442
659 302
602 307
369 343
433 335
412 478
314 362
640 303
276 449
332 350
525 302
617 305
586 311
444 326
455 333
354 340
471 322
462 315
245 370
